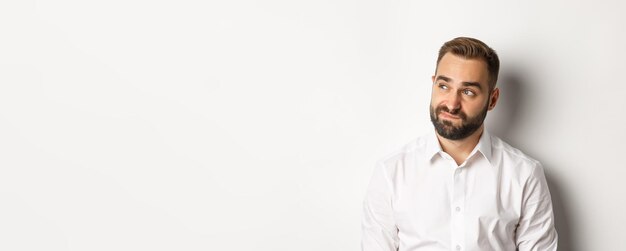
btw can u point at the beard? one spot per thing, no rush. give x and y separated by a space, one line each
446 128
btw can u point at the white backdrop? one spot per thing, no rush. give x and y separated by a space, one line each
255 125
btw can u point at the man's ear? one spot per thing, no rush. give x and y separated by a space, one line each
433 79
493 99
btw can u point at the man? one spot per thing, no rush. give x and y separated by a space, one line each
459 188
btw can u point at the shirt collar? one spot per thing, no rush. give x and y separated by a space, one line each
432 145
484 145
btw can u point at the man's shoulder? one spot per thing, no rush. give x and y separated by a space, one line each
512 156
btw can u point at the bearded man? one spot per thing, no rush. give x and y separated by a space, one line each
458 187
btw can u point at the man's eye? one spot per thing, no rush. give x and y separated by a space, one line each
443 87
469 92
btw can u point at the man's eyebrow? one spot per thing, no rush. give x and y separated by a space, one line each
473 84
447 79
444 78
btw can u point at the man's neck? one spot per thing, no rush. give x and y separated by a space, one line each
460 149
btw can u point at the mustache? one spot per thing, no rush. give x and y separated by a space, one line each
455 112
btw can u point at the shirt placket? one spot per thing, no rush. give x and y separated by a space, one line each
458 209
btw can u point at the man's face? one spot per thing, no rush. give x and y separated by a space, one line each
460 96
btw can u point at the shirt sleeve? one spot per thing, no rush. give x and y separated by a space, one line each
379 230
536 226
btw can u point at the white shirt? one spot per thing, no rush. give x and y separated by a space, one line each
420 199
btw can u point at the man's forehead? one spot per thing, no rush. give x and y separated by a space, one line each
453 68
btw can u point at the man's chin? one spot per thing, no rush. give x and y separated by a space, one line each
448 132
445 130
452 136
451 123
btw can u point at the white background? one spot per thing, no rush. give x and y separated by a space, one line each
255 125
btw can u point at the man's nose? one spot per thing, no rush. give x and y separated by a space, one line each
454 102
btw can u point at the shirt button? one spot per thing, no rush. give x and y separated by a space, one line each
458 247
458 209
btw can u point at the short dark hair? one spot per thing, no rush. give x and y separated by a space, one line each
472 48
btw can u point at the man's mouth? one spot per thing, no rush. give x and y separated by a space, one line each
448 115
